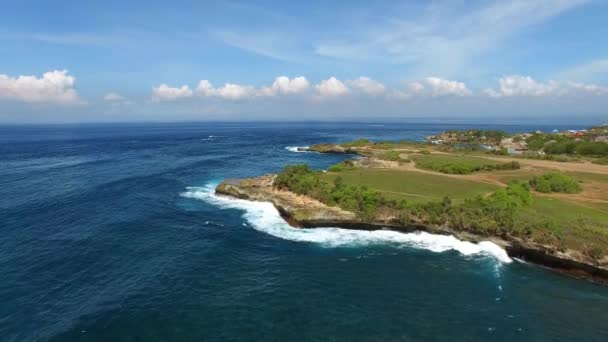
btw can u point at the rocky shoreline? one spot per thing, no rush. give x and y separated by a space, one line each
304 212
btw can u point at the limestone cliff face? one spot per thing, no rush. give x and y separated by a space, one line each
303 211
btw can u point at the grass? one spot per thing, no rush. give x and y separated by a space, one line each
579 222
566 212
412 185
576 225
460 164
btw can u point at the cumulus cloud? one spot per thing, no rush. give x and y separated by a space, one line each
440 87
517 85
433 87
331 87
282 85
53 87
228 91
165 93
367 86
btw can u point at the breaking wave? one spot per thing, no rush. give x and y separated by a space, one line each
264 217
296 149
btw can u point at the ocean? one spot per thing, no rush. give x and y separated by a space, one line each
112 232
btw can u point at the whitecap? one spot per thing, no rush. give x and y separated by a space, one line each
264 217
297 149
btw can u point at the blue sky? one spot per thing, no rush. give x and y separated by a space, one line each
105 61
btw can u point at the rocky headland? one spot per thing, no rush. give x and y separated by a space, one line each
303 211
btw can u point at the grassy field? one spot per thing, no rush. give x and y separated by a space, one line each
577 221
576 225
456 164
413 186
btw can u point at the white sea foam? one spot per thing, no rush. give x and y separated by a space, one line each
297 149
264 217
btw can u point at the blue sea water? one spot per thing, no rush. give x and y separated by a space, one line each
113 233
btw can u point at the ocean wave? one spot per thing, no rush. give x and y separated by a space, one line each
264 217
296 149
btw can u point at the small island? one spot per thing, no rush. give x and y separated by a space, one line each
543 197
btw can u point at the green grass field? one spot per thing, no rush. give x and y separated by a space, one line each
579 222
577 225
413 186
457 164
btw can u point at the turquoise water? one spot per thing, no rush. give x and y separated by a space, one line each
112 232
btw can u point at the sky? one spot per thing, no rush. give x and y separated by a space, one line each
488 61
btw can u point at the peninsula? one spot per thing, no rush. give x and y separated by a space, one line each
546 208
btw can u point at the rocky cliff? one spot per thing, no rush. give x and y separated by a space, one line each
303 211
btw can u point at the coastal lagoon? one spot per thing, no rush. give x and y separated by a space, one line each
113 232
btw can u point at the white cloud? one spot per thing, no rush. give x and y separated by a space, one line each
229 91
232 91
331 87
53 87
440 87
367 86
205 88
283 85
165 93
432 87
114 97
517 85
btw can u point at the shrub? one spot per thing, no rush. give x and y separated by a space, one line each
393 156
555 182
305 181
496 214
463 167
357 143
341 166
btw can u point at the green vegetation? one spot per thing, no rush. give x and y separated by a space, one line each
341 166
462 165
555 182
568 145
495 214
472 204
411 185
551 157
305 181
413 197
392 156
583 148
567 225
357 143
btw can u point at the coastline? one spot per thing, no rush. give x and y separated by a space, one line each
304 212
